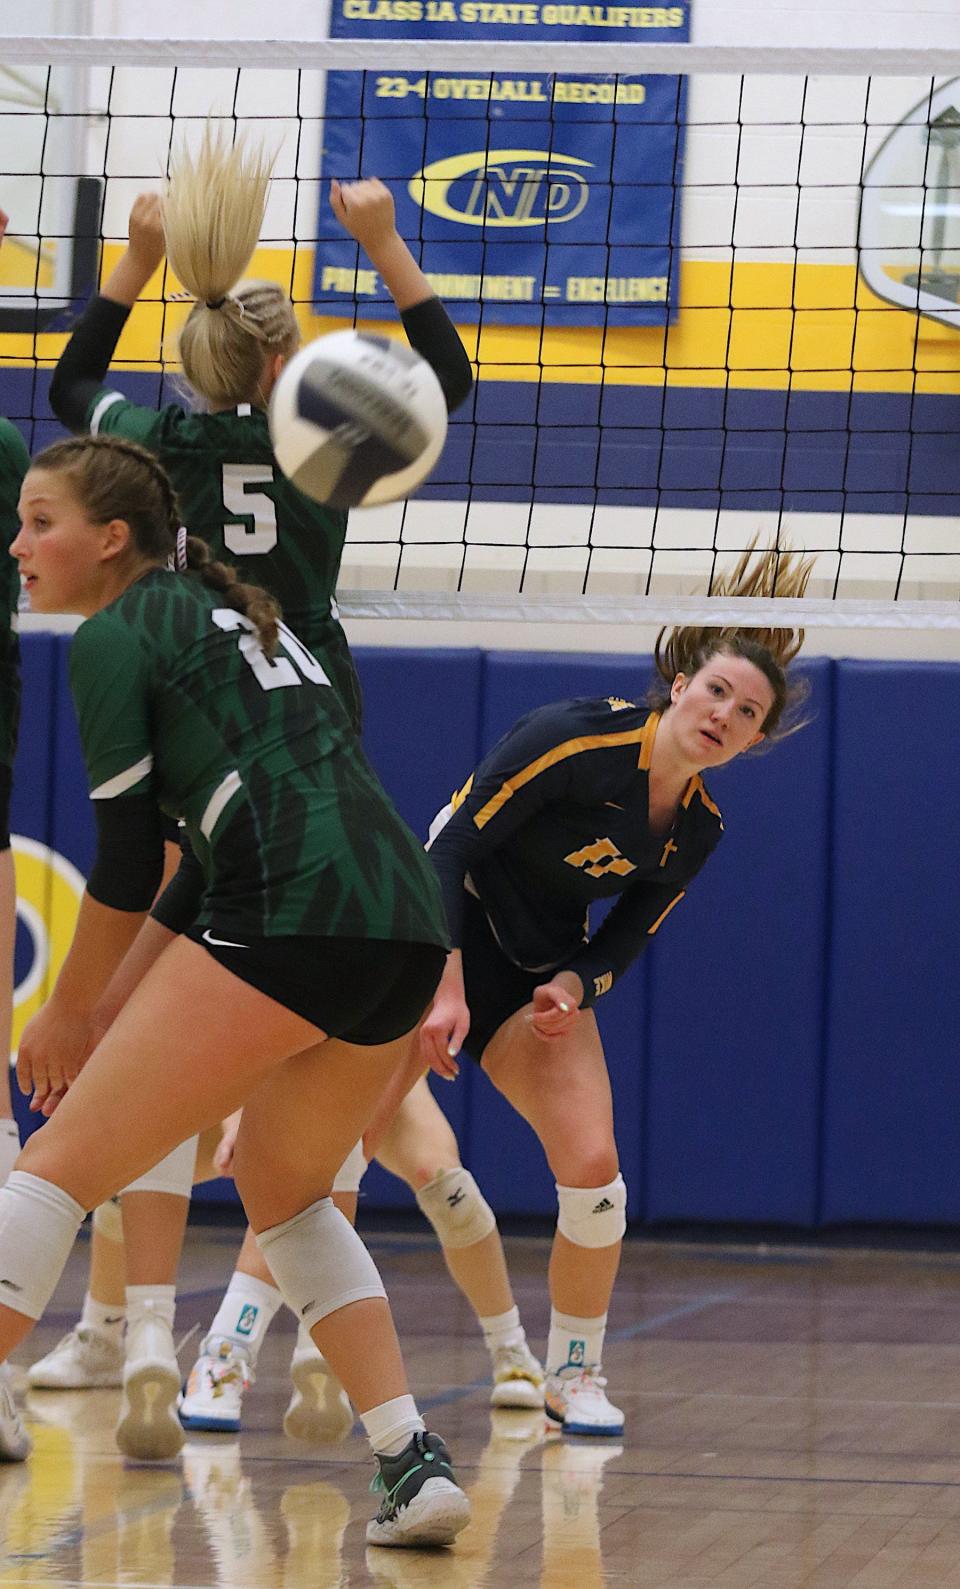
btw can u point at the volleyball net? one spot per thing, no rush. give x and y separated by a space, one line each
710 295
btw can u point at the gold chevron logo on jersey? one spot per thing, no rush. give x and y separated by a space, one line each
617 703
599 858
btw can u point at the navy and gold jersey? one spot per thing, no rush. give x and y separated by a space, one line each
177 701
555 818
234 496
14 463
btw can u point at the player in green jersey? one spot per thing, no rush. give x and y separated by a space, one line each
14 463
318 939
233 346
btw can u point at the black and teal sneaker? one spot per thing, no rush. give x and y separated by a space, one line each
422 1502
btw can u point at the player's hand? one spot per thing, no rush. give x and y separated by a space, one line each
145 231
443 1033
4 223
224 1150
53 1049
365 209
554 1010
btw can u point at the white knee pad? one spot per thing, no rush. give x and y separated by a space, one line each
456 1208
174 1174
593 1216
38 1225
319 1262
351 1171
108 1220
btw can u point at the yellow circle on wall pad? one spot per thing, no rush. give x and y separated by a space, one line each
49 890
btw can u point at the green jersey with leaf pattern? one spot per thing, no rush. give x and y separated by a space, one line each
233 494
14 463
176 698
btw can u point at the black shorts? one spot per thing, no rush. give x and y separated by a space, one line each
6 782
363 990
494 986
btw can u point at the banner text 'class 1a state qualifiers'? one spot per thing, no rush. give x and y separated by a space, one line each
527 197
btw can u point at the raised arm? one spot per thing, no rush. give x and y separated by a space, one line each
86 358
366 210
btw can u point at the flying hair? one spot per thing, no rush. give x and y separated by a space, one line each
771 572
213 214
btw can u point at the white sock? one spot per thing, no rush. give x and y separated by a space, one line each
574 1343
245 1315
390 1426
103 1317
159 1301
306 1343
9 1147
502 1329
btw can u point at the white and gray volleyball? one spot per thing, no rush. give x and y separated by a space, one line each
357 419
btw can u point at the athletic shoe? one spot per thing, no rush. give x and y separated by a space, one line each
575 1398
15 1443
86 1359
517 1378
319 1412
148 1426
212 1397
422 1502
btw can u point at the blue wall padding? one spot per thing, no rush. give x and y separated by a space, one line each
786 1051
891 1147
736 997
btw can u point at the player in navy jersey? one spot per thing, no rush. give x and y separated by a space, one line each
287 986
583 801
233 345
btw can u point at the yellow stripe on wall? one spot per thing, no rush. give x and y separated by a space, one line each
744 324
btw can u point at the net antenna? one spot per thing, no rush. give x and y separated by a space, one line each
787 370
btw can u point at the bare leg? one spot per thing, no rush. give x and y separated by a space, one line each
562 1089
417 1147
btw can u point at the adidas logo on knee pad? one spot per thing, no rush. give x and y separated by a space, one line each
603 1207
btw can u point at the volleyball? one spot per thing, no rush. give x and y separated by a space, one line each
357 419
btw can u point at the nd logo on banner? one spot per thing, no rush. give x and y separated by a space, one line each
49 889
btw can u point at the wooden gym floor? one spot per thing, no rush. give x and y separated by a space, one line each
793 1422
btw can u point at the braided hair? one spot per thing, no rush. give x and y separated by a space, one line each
776 571
112 478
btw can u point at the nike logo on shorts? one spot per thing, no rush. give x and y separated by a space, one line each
224 943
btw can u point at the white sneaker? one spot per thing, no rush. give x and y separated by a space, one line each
86 1359
148 1427
15 1443
576 1399
517 1378
213 1395
319 1413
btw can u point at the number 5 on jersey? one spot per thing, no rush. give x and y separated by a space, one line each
271 673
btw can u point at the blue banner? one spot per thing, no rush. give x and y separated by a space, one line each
527 198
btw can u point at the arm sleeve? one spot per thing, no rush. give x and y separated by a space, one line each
177 907
109 678
622 937
530 767
432 334
129 862
78 378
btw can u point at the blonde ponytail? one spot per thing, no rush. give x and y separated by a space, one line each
212 216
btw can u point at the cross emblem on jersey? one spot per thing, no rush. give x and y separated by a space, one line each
599 858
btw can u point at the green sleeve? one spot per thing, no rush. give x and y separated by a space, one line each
111 414
109 678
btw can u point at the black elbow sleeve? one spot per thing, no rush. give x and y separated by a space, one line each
177 907
129 863
85 360
432 334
